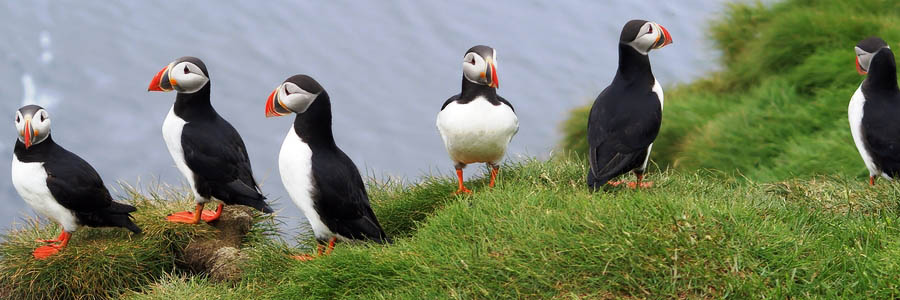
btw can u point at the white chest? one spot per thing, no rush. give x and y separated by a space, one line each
855 116
30 181
657 88
171 130
295 166
477 131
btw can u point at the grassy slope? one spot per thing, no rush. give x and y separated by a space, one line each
778 109
541 235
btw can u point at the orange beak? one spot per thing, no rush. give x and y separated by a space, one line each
491 74
666 35
663 39
162 82
27 135
270 105
859 68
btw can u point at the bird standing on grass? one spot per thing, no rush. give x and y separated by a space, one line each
319 177
874 110
477 124
626 116
207 150
60 185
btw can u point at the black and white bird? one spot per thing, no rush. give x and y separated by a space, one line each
874 109
207 150
626 116
477 124
60 185
319 177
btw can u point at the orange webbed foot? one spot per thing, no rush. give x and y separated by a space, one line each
43 252
303 257
462 190
186 217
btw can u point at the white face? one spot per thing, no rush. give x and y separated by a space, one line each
865 58
648 36
475 68
40 126
295 98
187 77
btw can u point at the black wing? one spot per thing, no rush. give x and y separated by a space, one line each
216 154
620 128
76 186
882 134
341 197
453 98
505 102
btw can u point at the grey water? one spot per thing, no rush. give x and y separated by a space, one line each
388 66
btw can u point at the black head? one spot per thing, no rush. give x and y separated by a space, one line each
185 75
33 125
480 66
865 50
294 95
644 36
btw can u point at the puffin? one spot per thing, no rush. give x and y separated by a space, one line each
60 185
874 108
320 179
206 149
625 118
477 125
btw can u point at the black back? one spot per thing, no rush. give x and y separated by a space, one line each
340 196
215 152
624 119
880 123
76 186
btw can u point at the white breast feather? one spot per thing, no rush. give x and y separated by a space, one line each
657 88
295 166
855 116
171 130
30 180
477 131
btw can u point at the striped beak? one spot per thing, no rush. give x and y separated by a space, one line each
28 133
859 68
274 107
491 75
664 39
162 82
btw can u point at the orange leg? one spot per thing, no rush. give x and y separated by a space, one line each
462 188
321 250
48 250
53 240
193 217
872 180
494 171
330 245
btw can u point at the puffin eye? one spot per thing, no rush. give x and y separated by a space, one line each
651 30
186 70
287 92
43 116
17 119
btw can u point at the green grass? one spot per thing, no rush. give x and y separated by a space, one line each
778 108
540 234
102 262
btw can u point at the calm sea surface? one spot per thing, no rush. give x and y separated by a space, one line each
388 66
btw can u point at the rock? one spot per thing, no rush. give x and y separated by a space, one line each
221 257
